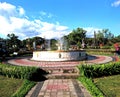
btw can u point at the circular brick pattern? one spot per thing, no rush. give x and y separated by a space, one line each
27 62
91 60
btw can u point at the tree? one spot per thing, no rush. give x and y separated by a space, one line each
99 38
104 36
77 36
28 43
13 42
53 44
38 40
116 39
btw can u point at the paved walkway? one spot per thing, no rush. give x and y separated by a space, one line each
59 87
95 59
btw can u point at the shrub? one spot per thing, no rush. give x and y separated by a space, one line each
88 83
22 72
100 51
23 90
100 70
87 72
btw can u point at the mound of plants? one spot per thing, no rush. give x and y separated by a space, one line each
93 71
100 51
29 74
23 90
88 83
88 72
21 72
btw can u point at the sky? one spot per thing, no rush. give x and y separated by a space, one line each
56 18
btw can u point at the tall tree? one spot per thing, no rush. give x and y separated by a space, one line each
53 44
13 42
77 36
104 36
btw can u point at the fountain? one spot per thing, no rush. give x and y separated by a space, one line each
62 54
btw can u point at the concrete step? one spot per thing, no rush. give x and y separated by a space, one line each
61 69
62 76
62 73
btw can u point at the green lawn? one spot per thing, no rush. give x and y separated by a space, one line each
8 86
110 85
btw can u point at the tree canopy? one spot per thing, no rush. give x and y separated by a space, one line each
76 36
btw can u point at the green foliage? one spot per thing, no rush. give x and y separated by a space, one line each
76 36
8 86
88 83
23 90
87 72
109 85
53 44
108 52
13 42
100 70
22 72
100 51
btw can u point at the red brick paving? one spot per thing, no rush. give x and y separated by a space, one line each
57 87
98 58
28 62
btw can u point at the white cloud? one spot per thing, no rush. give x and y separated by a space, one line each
43 13
13 20
90 31
21 11
7 7
116 3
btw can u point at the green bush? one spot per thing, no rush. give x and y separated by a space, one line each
87 72
23 90
100 70
100 51
88 83
22 72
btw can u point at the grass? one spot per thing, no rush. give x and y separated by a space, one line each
8 86
110 86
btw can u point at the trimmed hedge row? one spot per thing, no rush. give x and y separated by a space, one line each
88 83
23 90
87 72
93 71
100 51
22 72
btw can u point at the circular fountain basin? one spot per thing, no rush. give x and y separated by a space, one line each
59 55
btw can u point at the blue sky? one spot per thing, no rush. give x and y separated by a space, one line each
55 18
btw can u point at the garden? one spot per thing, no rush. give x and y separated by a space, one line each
16 81
101 80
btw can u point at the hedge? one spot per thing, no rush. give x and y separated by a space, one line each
88 83
87 72
93 71
23 90
22 72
